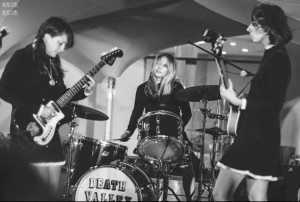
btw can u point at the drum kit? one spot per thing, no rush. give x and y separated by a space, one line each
99 170
204 94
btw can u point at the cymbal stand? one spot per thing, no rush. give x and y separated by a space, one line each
213 158
72 124
201 165
210 186
162 181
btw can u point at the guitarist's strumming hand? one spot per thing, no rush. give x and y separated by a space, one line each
230 95
45 112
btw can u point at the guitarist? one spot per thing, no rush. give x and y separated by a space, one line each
32 77
255 154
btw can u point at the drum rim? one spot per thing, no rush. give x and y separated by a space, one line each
143 141
102 142
111 143
87 138
161 112
138 189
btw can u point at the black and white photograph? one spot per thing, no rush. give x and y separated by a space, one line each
150 100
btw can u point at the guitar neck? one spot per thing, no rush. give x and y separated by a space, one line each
222 71
67 97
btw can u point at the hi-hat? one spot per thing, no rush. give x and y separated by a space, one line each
198 93
214 131
84 112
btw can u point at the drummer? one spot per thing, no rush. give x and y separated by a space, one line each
158 93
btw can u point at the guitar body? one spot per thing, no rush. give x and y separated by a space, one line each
47 127
233 120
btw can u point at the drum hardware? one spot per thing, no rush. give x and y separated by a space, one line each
198 93
73 111
202 94
84 112
160 136
91 153
201 165
214 116
167 144
163 171
72 124
214 131
160 142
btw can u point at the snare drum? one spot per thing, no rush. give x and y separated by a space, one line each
90 152
160 136
122 182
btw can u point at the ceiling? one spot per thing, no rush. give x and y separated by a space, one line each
138 27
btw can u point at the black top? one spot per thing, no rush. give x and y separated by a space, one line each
167 102
25 88
257 146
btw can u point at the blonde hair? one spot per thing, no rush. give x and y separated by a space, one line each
167 82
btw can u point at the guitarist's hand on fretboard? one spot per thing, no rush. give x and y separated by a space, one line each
230 95
88 88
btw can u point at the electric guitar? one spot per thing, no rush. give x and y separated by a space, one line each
44 129
234 112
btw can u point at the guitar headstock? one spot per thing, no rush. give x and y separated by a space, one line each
216 41
110 57
218 46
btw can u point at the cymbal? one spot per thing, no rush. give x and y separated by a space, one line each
214 131
84 112
198 93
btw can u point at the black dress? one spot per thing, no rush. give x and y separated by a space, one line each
25 88
256 149
166 102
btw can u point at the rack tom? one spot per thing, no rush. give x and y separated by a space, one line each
160 136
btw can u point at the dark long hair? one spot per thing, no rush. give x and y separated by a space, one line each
274 21
54 26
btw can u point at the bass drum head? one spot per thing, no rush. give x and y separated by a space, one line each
123 182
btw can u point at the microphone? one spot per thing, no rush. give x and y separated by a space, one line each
3 32
245 73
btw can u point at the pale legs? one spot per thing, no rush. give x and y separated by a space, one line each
257 189
50 176
228 181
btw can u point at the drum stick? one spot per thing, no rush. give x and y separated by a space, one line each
117 139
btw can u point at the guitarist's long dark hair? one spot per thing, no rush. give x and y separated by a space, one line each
54 26
274 22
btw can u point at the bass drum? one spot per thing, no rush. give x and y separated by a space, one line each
90 152
122 182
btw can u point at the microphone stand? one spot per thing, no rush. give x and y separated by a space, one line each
225 61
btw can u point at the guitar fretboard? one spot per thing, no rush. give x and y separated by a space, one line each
65 98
